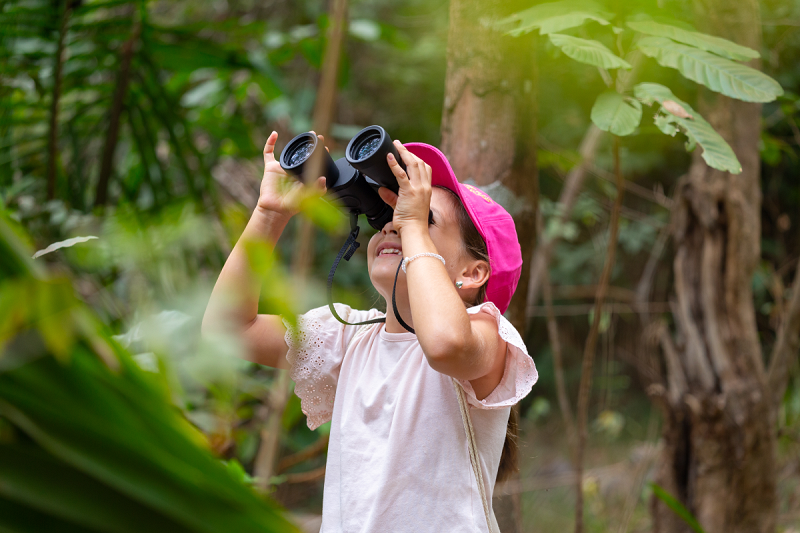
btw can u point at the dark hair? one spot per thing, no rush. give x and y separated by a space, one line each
476 248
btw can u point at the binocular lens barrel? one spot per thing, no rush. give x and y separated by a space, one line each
367 152
300 149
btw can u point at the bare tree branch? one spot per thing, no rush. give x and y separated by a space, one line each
52 134
645 284
696 357
676 376
318 447
786 345
558 365
591 341
114 114
566 201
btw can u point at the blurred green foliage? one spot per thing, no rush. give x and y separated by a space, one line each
89 440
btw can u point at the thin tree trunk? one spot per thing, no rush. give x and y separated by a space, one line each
115 113
52 135
719 435
266 462
478 119
787 344
558 365
591 341
489 135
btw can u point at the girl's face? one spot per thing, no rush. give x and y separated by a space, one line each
385 251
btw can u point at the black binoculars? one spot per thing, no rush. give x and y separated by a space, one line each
353 181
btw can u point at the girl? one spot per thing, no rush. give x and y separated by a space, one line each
402 456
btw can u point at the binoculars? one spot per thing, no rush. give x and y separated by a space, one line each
353 181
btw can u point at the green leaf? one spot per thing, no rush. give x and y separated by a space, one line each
716 152
666 125
28 476
677 507
553 17
617 114
709 43
717 73
107 433
17 518
107 426
590 52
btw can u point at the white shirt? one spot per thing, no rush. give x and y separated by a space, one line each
398 458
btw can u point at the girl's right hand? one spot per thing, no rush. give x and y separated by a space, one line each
280 193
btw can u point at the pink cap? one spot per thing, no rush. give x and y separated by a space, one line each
493 222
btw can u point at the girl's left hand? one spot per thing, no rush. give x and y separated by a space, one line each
413 204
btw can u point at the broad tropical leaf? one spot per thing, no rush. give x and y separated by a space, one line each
716 152
617 114
590 52
717 73
97 420
709 43
33 478
553 17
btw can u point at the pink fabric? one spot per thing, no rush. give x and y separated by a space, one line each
493 222
398 457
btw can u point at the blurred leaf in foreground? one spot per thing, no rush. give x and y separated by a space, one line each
96 443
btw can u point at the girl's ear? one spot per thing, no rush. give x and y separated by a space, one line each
475 274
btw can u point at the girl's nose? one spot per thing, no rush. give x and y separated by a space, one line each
388 228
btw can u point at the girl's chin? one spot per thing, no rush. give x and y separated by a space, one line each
382 276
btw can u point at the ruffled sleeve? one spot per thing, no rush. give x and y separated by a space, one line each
317 347
520 373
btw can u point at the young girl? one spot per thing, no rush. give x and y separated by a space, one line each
399 457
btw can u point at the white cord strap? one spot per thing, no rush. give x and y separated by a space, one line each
473 455
407 260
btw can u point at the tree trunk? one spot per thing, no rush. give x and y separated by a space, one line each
489 135
52 132
115 114
478 119
324 109
719 453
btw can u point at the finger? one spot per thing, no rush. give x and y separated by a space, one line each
322 140
427 172
412 162
321 185
397 170
269 148
388 196
407 157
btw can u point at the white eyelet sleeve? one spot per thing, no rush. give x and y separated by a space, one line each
317 348
520 373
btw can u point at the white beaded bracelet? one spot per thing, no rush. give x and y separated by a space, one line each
407 260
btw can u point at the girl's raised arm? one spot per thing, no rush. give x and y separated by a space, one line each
234 300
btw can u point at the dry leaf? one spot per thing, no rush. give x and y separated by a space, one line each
676 109
63 244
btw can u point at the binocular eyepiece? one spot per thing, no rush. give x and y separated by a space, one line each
353 180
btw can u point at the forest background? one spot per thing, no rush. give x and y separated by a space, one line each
131 136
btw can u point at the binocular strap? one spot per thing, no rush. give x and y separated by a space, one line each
348 249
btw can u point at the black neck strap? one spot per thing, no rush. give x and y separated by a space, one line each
348 249
394 301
